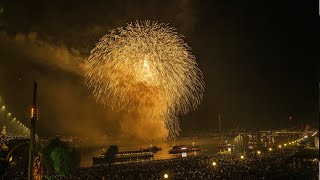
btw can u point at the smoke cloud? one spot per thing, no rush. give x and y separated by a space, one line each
51 47
43 52
66 107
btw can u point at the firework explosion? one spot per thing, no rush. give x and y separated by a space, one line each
147 72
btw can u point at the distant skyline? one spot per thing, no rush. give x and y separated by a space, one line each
260 61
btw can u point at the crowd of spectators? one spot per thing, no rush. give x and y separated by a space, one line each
276 164
11 138
9 141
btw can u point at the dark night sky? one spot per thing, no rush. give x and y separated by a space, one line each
259 60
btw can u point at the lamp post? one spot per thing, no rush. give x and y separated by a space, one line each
33 117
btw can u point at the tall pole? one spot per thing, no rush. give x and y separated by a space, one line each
5 112
33 131
5 117
220 129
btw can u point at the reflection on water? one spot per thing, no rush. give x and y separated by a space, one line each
206 145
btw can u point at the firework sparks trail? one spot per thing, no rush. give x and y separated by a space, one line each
147 71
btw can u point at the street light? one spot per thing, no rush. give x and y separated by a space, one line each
214 163
270 149
166 176
242 157
258 152
280 146
285 144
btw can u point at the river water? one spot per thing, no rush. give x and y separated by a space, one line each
206 145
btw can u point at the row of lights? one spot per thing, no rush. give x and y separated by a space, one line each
14 119
214 164
270 149
242 156
293 142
